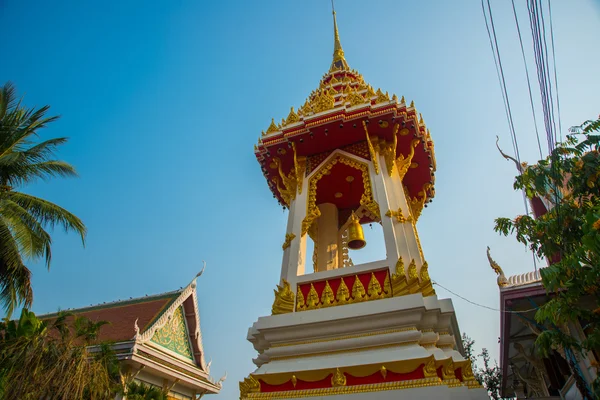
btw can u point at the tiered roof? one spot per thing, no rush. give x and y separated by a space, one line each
345 111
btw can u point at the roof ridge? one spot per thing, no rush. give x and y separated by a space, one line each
116 302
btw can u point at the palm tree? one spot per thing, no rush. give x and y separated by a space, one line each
25 218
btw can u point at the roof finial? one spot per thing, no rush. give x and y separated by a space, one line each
339 62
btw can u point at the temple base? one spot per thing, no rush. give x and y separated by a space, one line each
395 348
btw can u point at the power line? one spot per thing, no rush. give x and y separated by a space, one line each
481 305
502 81
537 133
555 73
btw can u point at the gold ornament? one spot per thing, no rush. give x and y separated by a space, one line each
386 285
284 299
358 290
322 101
294 380
343 293
292 117
288 240
273 127
448 371
299 168
374 289
429 370
426 287
412 270
403 163
502 281
338 378
398 215
299 300
327 298
249 385
383 371
312 300
399 283
371 149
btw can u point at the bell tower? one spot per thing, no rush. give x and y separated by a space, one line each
353 155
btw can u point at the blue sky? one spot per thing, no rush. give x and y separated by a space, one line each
163 102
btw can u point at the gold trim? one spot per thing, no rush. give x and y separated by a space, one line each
284 299
375 387
288 240
367 200
359 335
398 215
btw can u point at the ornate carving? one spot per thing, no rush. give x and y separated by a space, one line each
412 270
294 380
371 149
299 168
312 300
448 371
322 101
338 378
374 289
429 370
383 371
355 98
388 150
386 285
300 300
273 127
288 240
467 371
292 117
358 290
327 298
174 335
343 293
426 286
398 215
288 192
502 281
399 284
249 385
381 98
366 200
284 299
403 162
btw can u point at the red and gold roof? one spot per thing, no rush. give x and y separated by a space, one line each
346 113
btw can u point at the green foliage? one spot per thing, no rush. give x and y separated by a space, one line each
53 360
569 236
139 391
490 376
25 218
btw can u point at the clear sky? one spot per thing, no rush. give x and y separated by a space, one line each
163 102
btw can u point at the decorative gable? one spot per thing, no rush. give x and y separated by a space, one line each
174 335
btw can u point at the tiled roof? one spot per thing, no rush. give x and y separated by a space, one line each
121 315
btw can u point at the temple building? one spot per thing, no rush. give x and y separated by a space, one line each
158 342
352 155
526 374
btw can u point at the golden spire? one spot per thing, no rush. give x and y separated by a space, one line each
339 62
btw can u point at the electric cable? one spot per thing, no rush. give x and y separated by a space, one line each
484 306
537 133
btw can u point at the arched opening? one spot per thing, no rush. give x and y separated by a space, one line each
340 204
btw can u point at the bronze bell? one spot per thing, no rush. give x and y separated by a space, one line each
356 236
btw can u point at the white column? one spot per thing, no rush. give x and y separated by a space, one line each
294 257
400 238
327 237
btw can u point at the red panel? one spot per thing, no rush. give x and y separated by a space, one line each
376 377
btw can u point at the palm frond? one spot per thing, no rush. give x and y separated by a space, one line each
15 277
48 213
